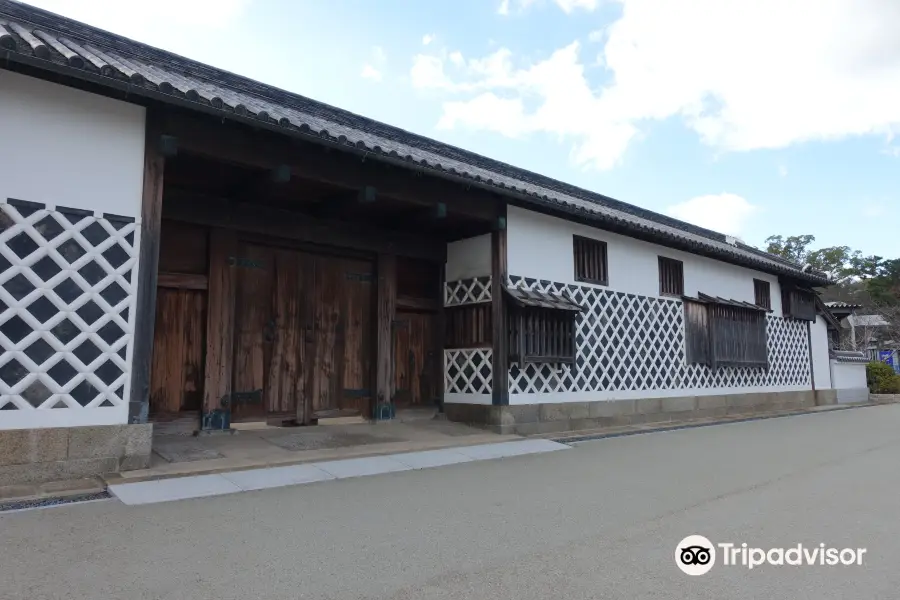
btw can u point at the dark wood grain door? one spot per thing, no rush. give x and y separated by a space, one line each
343 337
303 335
176 382
414 360
254 330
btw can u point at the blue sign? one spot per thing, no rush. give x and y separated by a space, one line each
889 357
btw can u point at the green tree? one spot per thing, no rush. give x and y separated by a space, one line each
793 248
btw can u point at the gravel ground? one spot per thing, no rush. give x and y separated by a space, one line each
601 520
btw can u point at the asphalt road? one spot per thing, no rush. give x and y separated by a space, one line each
601 520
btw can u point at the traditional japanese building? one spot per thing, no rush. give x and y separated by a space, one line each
181 243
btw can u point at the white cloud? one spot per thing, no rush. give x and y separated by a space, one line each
782 171
873 210
370 72
134 19
457 58
736 75
725 213
427 39
568 6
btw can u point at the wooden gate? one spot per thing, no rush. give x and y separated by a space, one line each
414 360
302 335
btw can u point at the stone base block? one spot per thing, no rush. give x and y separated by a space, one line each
554 417
29 456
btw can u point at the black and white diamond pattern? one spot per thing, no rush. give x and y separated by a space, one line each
467 291
629 342
468 371
65 295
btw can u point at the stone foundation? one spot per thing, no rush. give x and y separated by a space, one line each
54 454
530 419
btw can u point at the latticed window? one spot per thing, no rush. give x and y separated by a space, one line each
590 260
541 327
798 303
725 333
762 294
671 277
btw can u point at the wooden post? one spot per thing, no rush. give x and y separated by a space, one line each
219 330
384 356
440 339
499 273
148 266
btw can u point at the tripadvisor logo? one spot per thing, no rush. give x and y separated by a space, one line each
696 555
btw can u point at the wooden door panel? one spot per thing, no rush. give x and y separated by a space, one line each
358 335
288 375
414 352
176 380
327 373
254 330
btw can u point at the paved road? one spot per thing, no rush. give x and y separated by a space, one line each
599 521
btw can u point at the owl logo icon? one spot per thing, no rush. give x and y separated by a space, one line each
695 555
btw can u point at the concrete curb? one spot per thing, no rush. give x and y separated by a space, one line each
188 469
589 435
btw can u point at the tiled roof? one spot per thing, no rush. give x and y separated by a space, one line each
49 41
849 356
538 299
836 304
707 299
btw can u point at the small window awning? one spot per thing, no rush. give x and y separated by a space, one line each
534 299
707 299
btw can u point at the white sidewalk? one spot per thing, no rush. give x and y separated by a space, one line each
182 488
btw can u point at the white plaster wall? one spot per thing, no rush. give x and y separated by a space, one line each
849 380
461 398
820 359
469 258
541 246
66 147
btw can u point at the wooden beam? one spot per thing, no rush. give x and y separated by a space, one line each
219 330
290 225
384 355
244 146
335 205
182 281
148 264
499 272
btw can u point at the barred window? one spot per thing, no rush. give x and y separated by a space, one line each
671 277
590 260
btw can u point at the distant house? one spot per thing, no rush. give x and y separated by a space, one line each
179 242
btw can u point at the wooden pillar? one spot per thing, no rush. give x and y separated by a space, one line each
219 330
148 266
499 274
384 355
439 340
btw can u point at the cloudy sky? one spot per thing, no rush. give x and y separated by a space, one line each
751 117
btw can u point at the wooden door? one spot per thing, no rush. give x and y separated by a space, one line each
176 381
288 375
414 360
342 368
302 335
254 330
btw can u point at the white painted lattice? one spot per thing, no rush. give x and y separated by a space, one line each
468 371
65 297
629 342
467 291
